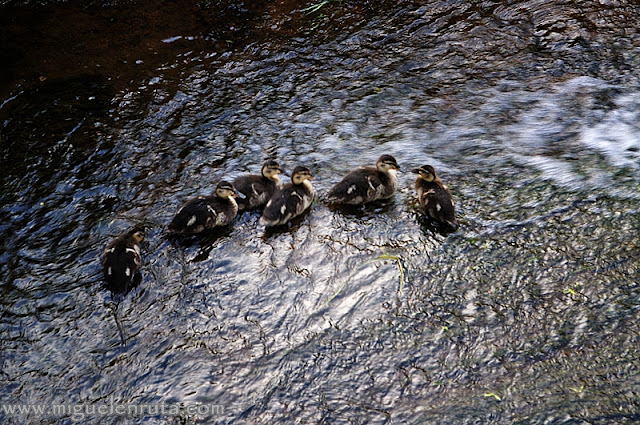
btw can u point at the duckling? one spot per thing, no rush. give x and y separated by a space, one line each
121 260
206 212
290 201
435 198
257 190
366 184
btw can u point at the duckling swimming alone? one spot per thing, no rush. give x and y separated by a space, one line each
366 184
290 201
121 260
206 212
434 197
257 190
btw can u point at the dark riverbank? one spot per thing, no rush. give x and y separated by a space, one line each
122 41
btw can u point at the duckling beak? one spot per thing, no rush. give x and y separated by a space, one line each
416 170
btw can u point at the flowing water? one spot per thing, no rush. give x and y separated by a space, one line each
528 314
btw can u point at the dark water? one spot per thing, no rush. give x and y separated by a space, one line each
529 314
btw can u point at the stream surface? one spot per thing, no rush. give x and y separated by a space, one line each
528 314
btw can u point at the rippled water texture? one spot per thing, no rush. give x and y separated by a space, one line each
528 314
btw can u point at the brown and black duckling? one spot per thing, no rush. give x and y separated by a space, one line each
367 184
435 198
257 190
290 201
121 260
206 212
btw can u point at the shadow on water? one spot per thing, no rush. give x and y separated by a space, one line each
53 127
528 313
430 227
291 227
363 211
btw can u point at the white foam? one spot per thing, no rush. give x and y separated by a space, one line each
617 136
555 170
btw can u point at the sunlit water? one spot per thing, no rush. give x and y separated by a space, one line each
527 314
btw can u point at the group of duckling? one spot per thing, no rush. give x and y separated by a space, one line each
280 203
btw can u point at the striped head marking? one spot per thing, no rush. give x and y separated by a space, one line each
426 172
300 174
386 163
225 189
271 169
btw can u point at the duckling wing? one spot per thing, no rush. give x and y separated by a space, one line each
280 209
286 204
195 216
354 188
438 204
303 195
378 186
245 186
256 191
223 210
121 262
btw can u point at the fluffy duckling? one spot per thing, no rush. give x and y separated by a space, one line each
121 260
366 184
291 200
206 212
434 197
257 190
